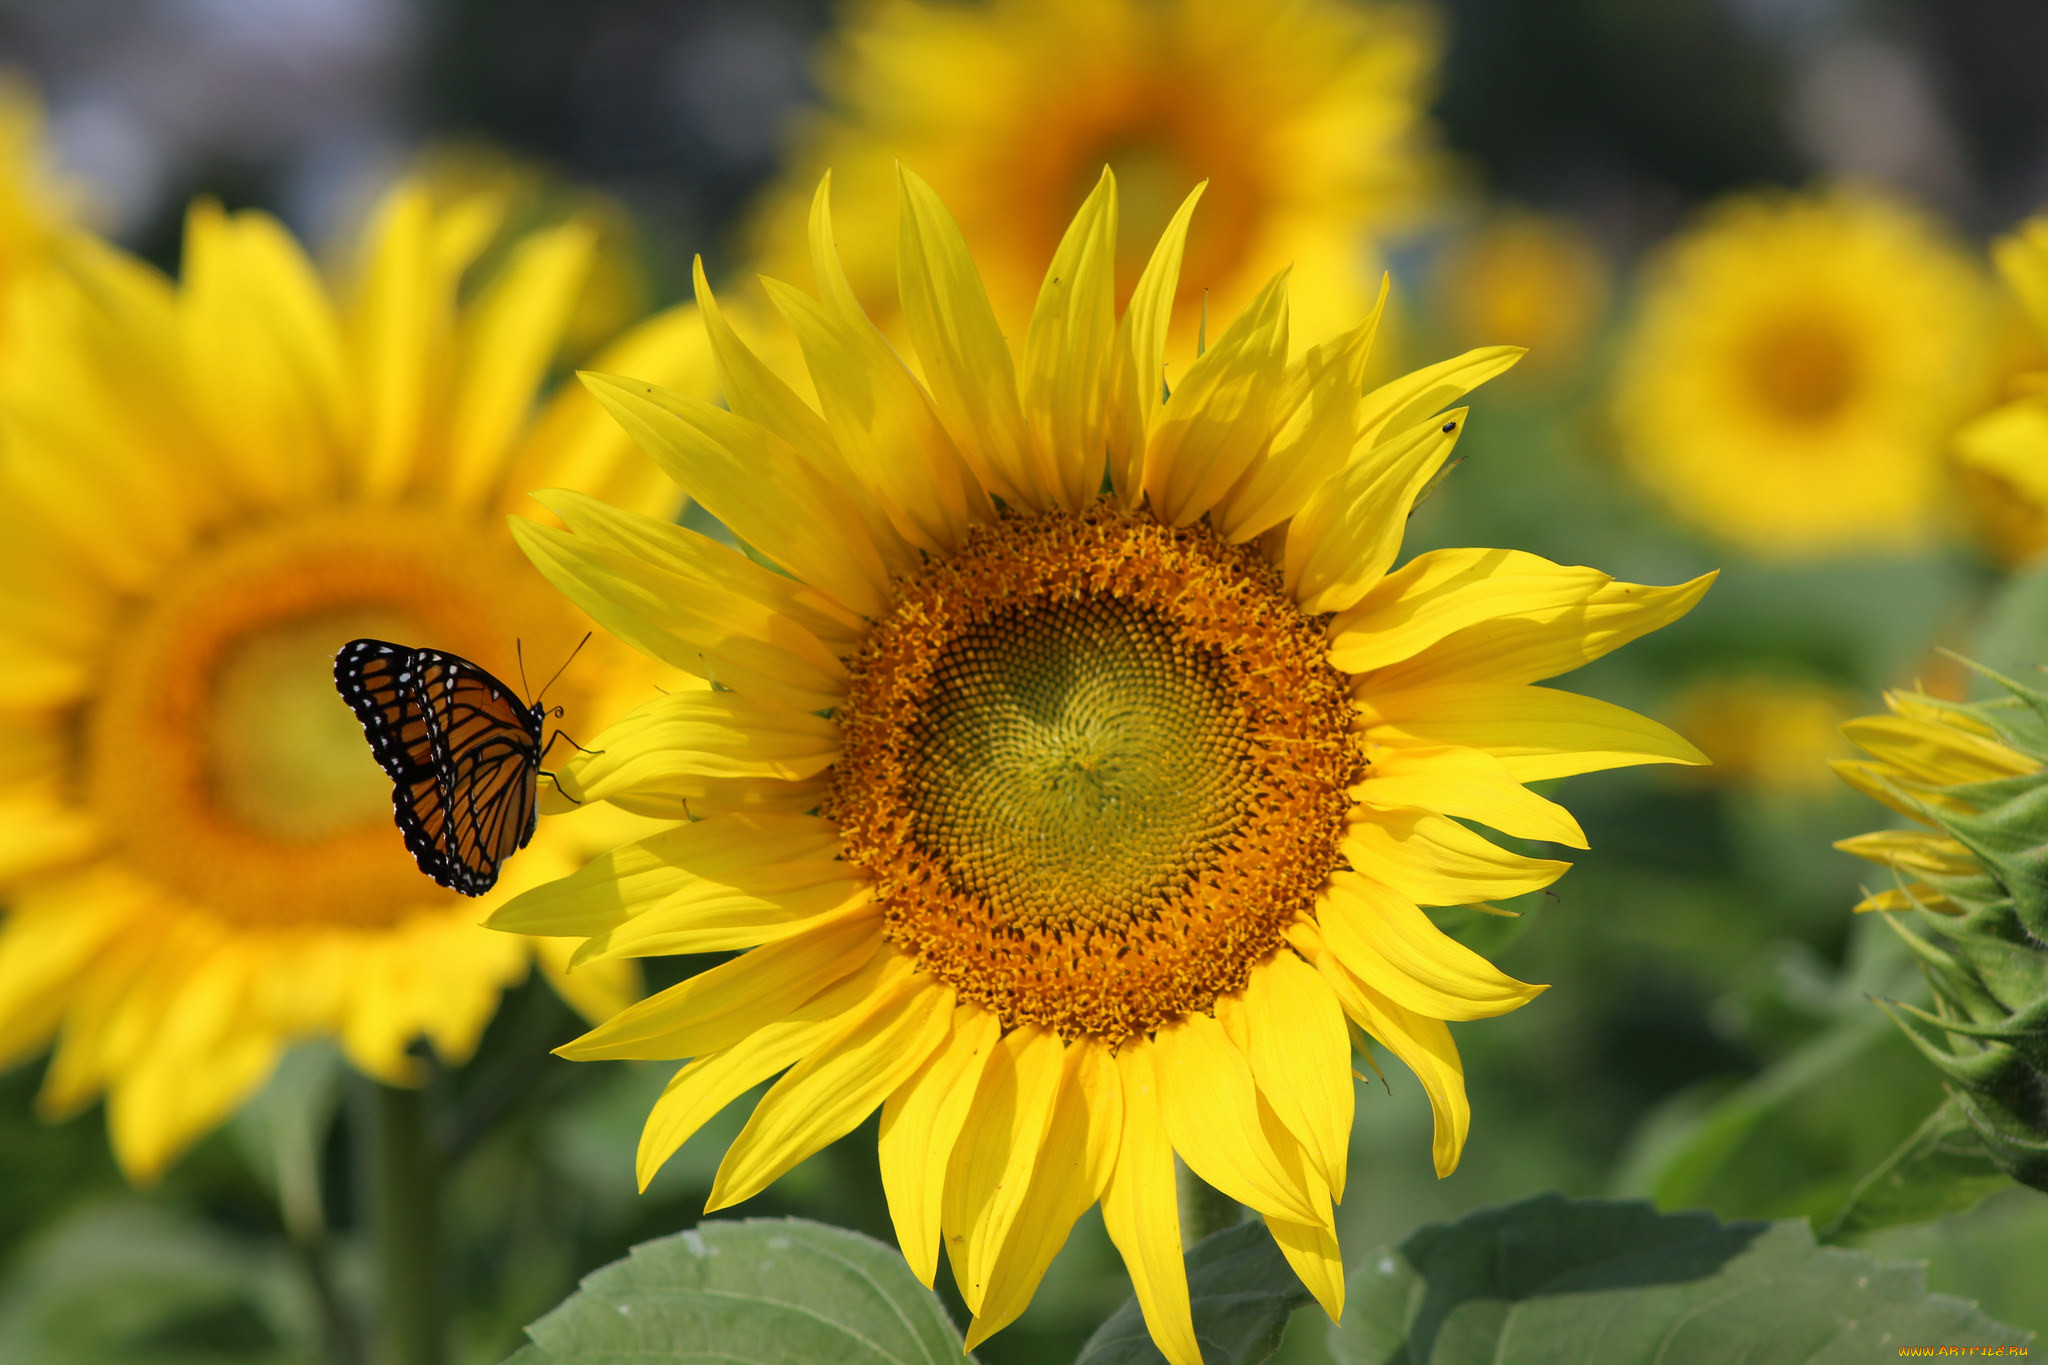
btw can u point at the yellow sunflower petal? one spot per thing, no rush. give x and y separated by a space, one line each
1310 1248
997 1149
756 484
1423 1044
1316 439
1390 945
1210 1104
686 554
1467 784
1537 732
508 338
692 626
1401 403
1534 645
1300 1056
1073 1167
1140 1208
1444 591
1220 416
1068 377
786 902
1913 851
828 1094
1347 535
1928 751
717 1008
1434 860
1141 354
966 361
921 1122
45 947
707 1085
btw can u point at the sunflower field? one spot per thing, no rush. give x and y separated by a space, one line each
1341 682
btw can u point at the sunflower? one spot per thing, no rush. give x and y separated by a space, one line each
1533 279
1308 116
209 486
1085 765
1774 734
1797 367
34 207
2004 453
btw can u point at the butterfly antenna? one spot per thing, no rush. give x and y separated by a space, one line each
560 671
519 653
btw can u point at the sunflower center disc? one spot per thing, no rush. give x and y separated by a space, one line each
1095 765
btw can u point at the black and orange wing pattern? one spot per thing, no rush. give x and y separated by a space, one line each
462 752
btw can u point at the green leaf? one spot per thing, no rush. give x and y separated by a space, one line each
770 1291
1599 1282
1242 1292
1942 1168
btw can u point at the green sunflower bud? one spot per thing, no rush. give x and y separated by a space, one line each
1971 899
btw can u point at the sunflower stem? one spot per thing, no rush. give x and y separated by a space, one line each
406 1216
1204 1209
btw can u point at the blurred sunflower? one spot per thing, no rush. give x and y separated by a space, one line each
210 486
1308 117
1532 279
1086 770
1775 734
1797 367
2004 453
33 207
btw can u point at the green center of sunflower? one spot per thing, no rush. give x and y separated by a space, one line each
1074 755
1095 766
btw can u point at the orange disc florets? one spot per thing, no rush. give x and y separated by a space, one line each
1095 766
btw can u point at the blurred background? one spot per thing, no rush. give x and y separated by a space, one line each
1579 176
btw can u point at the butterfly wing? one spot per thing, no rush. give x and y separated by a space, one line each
462 753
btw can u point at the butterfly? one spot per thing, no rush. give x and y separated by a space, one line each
463 753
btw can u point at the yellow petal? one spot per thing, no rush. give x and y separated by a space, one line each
1310 1248
828 1094
1069 349
1422 1043
1913 851
713 734
998 1146
1344 539
1536 732
1401 403
2007 442
1470 785
1316 436
757 484
708 1084
1434 860
1384 941
45 947
634 878
686 622
920 1124
960 345
717 1008
1443 591
1141 354
1140 1208
670 549
508 339
1539 644
1220 416
1072 1168
1928 751
1210 1104
757 393
1300 1056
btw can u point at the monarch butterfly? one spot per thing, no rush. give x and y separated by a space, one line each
462 751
